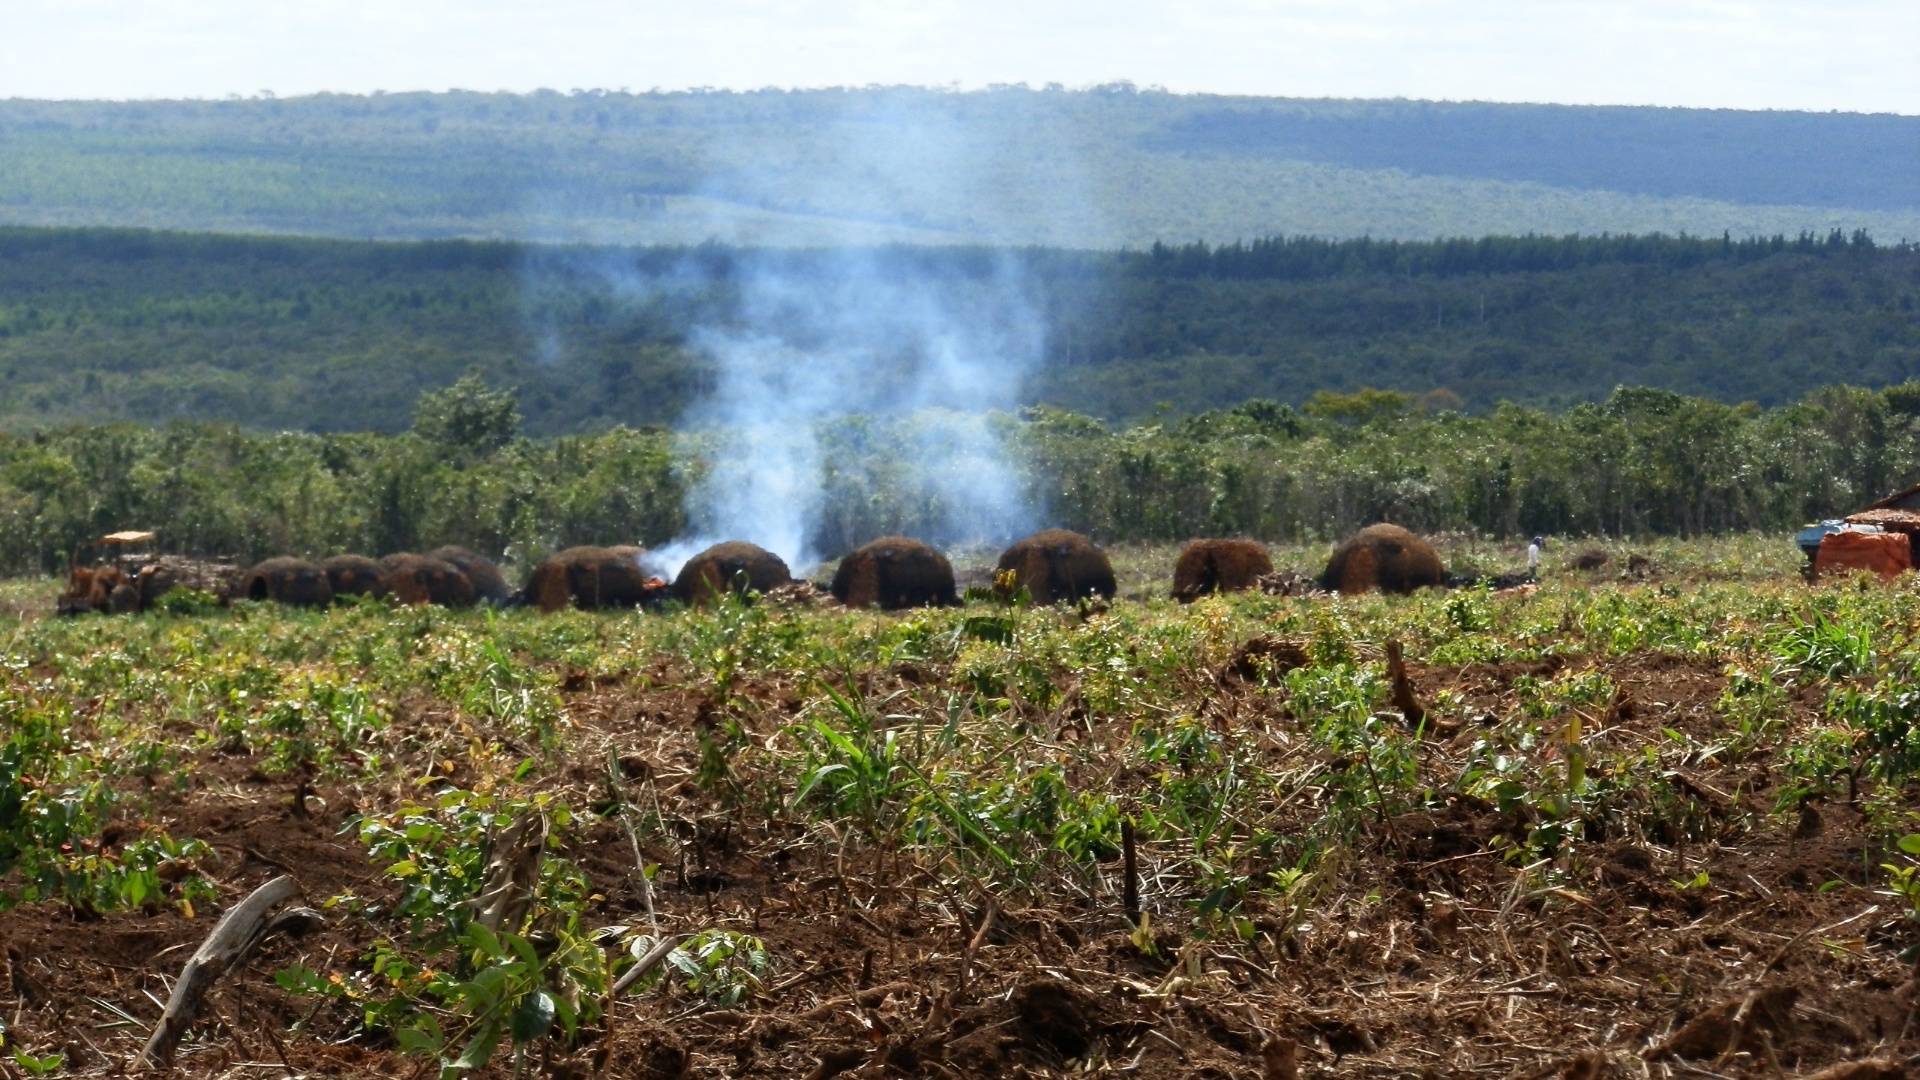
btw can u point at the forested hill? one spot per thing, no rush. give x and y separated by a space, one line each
333 335
1102 168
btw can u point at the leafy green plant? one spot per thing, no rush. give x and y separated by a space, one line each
1903 884
502 690
1819 764
723 967
187 602
438 853
498 986
1886 717
38 1064
1826 646
855 770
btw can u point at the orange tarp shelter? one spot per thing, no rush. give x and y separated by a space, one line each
1885 553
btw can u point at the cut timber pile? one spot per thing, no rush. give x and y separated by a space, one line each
135 582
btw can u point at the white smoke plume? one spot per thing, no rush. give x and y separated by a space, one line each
926 342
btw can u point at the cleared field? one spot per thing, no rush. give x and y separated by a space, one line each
1642 821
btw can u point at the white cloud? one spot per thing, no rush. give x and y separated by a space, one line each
1841 54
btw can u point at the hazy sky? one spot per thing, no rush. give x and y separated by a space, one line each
1831 54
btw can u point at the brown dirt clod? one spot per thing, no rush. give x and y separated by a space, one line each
1056 565
721 568
1740 1023
834 1062
1056 1016
1280 1059
289 581
1588 1064
655 1055
1384 557
1219 566
1405 697
892 573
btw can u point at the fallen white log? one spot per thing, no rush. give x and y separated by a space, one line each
233 938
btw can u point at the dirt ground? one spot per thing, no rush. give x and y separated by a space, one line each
1764 953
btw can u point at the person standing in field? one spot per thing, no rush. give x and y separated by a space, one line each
1533 556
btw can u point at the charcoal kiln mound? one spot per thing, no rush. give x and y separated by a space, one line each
353 575
489 585
892 573
1056 565
590 578
1385 557
1219 566
289 581
423 579
728 566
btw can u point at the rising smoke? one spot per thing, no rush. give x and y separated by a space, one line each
876 334
925 342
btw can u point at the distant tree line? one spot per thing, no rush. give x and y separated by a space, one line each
1303 258
1641 462
328 335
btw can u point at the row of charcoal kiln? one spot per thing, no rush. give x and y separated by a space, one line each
1049 567
892 573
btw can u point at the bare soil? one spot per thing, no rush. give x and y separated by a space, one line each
1431 957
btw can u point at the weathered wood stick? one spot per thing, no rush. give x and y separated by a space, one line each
1130 869
647 963
232 940
1405 697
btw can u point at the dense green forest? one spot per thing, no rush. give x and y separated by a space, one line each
320 335
1101 168
1641 462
